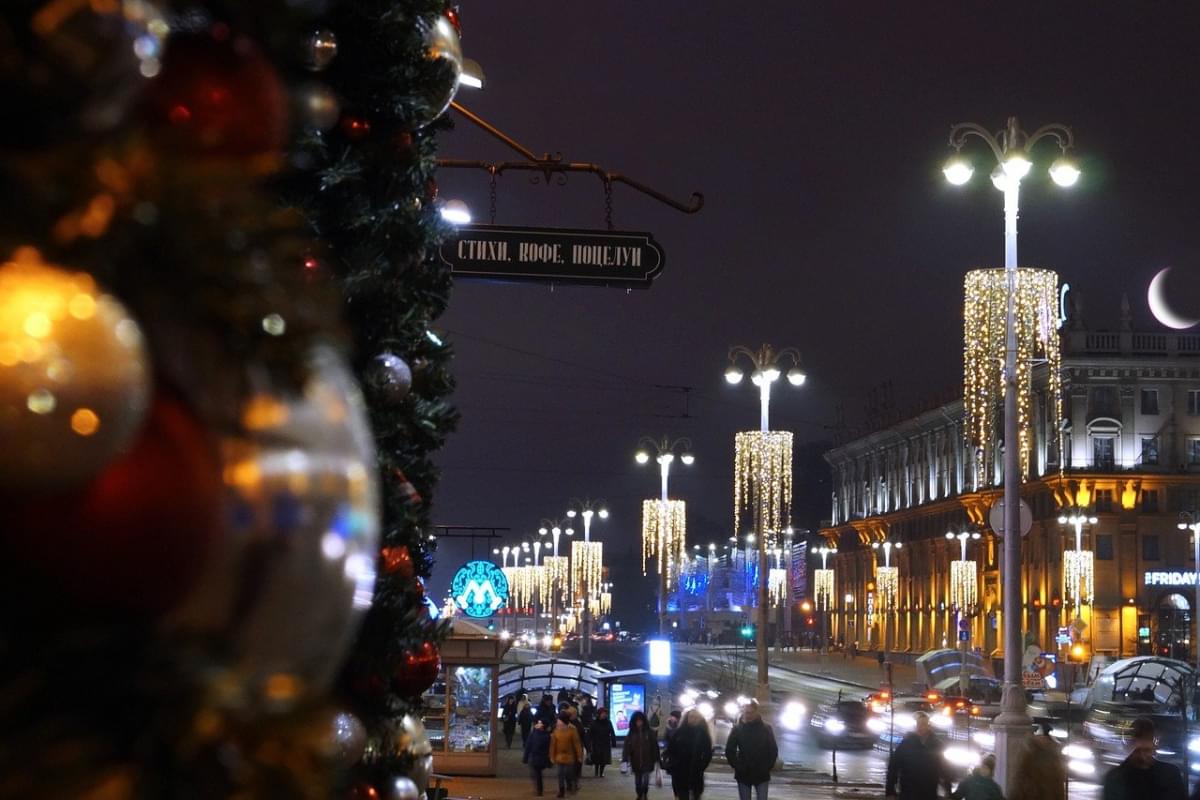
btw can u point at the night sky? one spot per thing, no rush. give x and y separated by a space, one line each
817 136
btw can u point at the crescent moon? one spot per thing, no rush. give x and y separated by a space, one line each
1161 309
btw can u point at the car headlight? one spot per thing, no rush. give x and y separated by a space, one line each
1078 752
906 721
1194 745
876 725
1081 767
835 725
686 699
940 721
984 739
712 694
731 709
961 756
705 709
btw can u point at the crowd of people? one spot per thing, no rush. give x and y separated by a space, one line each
572 732
917 769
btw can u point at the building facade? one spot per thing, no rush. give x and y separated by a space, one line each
1129 438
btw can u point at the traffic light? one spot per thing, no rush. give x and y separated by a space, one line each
747 631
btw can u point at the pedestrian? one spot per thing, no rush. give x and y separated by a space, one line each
640 753
603 739
752 751
565 751
546 712
688 755
853 650
979 785
525 721
537 754
573 719
672 725
587 711
879 657
508 716
917 764
1141 775
1040 772
564 696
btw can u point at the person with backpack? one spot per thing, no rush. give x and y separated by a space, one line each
752 751
537 754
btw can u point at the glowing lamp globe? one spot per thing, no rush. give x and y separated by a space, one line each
603 513
796 376
456 212
688 459
958 170
1064 172
572 513
733 375
999 178
1017 164
641 456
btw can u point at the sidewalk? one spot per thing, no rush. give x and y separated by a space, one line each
512 782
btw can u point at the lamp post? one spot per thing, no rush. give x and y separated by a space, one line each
824 584
1190 521
1079 579
1011 148
887 582
763 474
964 594
587 566
556 568
664 522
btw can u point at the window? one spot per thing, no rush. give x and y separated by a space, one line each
1104 500
1104 547
1150 501
1104 403
1150 450
1193 402
1150 401
1150 547
1102 452
1193 450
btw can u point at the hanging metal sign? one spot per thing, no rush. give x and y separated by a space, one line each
554 255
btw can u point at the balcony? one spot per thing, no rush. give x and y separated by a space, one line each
1131 343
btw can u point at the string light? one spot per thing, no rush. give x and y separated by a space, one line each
523 583
553 584
887 582
823 584
964 588
1079 577
762 480
605 603
1036 320
777 585
587 569
664 537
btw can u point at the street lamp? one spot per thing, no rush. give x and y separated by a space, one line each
964 595
664 521
556 568
1011 147
887 583
1079 575
823 589
763 473
1190 521
587 566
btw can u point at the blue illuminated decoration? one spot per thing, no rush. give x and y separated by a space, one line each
434 611
479 588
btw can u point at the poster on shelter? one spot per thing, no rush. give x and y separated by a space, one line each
623 700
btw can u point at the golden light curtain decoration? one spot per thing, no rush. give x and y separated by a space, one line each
964 587
664 537
887 582
510 575
1036 316
522 585
605 603
777 585
587 570
823 588
762 481
1079 577
556 573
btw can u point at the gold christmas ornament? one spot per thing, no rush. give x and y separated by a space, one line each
74 377
1036 319
664 537
762 481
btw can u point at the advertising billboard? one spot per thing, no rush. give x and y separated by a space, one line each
623 700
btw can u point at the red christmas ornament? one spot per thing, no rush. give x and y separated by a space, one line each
397 560
455 19
356 128
217 96
416 671
135 538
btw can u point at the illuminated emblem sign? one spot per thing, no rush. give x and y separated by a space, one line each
479 588
1163 577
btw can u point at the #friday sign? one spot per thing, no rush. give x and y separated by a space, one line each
1163 577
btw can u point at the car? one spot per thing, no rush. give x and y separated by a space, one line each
843 725
1107 727
982 698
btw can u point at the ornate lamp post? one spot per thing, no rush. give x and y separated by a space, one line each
1079 566
763 474
1011 148
664 521
824 585
587 567
556 569
964 596
887 587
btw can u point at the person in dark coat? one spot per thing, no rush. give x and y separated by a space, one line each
587 712
584 742
603 739
752 751
979 785
688 755
525 722
1141 775
508 716
563 697
545 713
537 754
917 764
640 752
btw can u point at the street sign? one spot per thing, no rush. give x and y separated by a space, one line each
623 259
996 518
964 636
